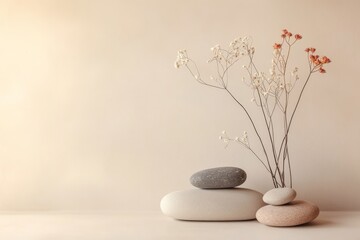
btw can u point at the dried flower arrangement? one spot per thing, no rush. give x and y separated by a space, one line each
271 93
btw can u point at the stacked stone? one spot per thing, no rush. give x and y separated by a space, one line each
283 211
216 197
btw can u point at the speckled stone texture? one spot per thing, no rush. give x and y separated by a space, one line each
233 204
279 196
292 214
221 177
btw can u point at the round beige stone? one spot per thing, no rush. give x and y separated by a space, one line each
293 214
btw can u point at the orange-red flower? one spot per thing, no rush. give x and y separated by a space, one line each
283 35
325 59
312 58
285 31
298 36
315 59
277 46
289 34
310 50
321 70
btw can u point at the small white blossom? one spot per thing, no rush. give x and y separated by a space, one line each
217 55
294 72
182 59
252 50
246 40
257 81
244 139
215 48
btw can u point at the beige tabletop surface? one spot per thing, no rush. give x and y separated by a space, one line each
153 225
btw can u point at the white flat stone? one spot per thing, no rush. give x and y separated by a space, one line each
212 205
279 196
292 214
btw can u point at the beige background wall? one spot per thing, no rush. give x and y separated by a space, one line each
95 117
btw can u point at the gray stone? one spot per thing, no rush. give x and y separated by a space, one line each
221 177
234 204
279 196
292 214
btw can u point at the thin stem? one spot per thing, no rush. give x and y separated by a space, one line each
293 113
298 101
271 137
256 131
286 108
260 160
290 174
